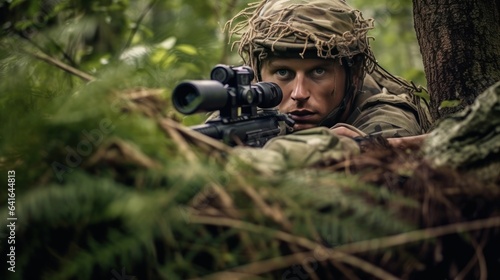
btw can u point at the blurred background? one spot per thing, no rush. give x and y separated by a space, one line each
165 41
150 43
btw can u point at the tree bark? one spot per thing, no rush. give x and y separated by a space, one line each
460 46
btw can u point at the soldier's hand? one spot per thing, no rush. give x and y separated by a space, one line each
342 129
409 142
304 148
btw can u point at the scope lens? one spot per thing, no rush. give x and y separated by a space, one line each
270 94
187 98
196 96
222 73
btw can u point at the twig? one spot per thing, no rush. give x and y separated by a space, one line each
340 253
262 267
478 257
266 266
117 149
50 60
277 216
214 144
166 124
360 246
36 45
202 200
417 235
137 24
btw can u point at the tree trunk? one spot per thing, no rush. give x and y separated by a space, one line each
460 46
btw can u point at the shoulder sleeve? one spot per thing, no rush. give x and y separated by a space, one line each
388 115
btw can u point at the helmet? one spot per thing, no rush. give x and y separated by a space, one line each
312 29
302 28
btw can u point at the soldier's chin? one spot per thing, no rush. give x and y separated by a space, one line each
301 126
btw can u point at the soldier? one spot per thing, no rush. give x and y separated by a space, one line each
318 52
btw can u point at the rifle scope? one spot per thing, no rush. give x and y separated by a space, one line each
229 88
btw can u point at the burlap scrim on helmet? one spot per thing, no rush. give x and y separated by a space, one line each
332 28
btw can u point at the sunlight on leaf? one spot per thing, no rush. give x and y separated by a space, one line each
168 43
162 57
187 49
449 104
423 94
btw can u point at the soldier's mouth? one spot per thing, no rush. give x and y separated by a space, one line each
302 115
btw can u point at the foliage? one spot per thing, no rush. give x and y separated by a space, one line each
144 200
107 183
394 44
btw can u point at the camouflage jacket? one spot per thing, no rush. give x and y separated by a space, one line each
389 109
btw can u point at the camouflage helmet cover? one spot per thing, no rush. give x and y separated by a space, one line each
323 28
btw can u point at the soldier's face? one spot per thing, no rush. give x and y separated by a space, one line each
312 88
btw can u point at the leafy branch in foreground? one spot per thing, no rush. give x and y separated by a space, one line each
165 203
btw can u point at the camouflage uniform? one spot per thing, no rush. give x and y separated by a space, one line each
389 109
375 102
378 104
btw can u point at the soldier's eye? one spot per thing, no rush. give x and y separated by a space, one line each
282 72
319 71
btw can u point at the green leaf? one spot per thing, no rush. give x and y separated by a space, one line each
187 49
450 103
